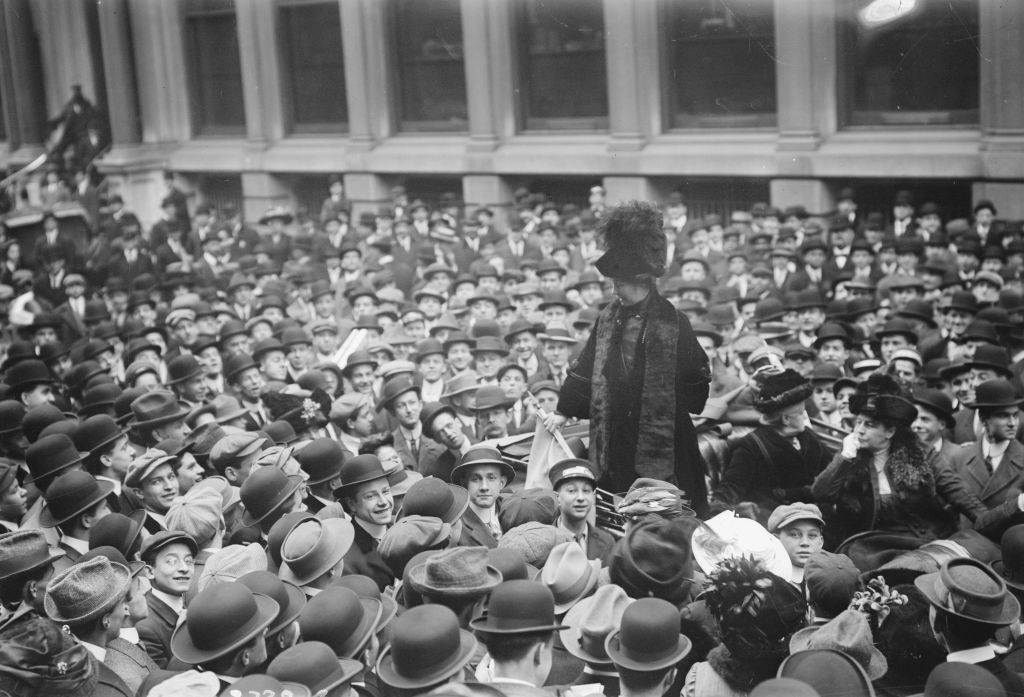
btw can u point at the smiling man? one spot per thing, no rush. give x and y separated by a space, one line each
151 477
171 558
365 494
575 484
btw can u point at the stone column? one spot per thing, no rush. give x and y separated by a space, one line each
620 189
367 191
490 72
814 194
634 94
261 78
119 68
262 190
24 104
491 191
157 31
367 73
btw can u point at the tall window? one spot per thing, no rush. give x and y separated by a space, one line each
215 70
430 64
3 118
909 63
563 74
721 63
314 71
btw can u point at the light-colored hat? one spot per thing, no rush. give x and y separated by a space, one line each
591 620
231 563
85 591
145 464
850 633
345 406
791 513
198 512
727 535
313 548
570 575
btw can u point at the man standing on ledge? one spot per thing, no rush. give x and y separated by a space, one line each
642 372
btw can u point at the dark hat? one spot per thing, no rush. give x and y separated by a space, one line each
183 368
50 455
395 388
994 394
480 455
264 491
993 357
649 638
289 598
491 397
806 299
22 551
705 329
880 397
489 344
71 494
156 408
433 497
261 348
221 618
11 414
359 470
518 607
782 390
122 532
427 648
572 468
238 364
634 242
985 204
529 505
25 375
980 330
826 373
969 590
832 330
313 664
829 672
340 618
156 542
958 679
322 460
99 398
964 301
430 411
653 559
899 326
356 359
831 580
768 310
919 309
937 402
520 326
1011 566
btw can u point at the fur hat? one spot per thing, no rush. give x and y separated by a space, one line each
882 398
634 242
782 390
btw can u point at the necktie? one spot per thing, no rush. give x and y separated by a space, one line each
989 466
414 446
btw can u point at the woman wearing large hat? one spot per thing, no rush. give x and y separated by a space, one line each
887 497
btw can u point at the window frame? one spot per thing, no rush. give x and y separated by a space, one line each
197 10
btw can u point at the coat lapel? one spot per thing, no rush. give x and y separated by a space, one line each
974 467
1007 473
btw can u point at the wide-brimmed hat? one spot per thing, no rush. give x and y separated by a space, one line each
968 589
427 647
313 664
459 572
850 633
85 591
727 535
782 390
482 456
71 494
156 408
463 382
221 618
648 638
340 618
590 622
570 575
433 497
518 607
313 547
265 491
227 408
409 536
22 551
994 394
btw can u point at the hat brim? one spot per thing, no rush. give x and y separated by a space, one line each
47 519
112 592
179 415
613 647
946 416
1000 569
347 669
928 585
341 539
31 478
287 615
54 555
372 611
294 482
418 580
232 415
390 677
801 641
507 470
594 569
185 650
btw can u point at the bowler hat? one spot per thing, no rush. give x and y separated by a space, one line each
479 455
289 598
70 494
520 326
222 618
359 470
313 548
433 497
341 619
828 671
26 374
265 491
22 551
313 664
50 455
395 388
806 299
570 575
183 368
430 412
783 687
321 459
591 620
427 647
937 402
963 301
122 532
968 589
994 394
958 679
518 607
900 326
11 414
261 348
648 638
85 591
1011 566
156 542
992 357
156 408
490 344
95 432
459 572
830 331
356 359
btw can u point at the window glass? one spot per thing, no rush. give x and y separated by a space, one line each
314 71
215 68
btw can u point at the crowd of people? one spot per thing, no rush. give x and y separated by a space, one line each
562 451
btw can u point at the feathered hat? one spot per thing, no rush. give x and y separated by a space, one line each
781 390
881 397
633 240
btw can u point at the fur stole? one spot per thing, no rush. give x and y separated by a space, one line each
906 468
743 674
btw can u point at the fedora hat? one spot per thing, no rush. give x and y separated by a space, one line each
395 388
156 408
314 547
280 530
359 470
459 572
590 621
433 497
521 326
222 618
491 397
556 333
968 589
993 394
518 607
313 664
653 558
26 374
71 494
490 344
265 491
85 591
848 632
341 619
1011 566
463 382
648 638
409 536
427 647
22 551
569 575
321 459
122 532
96 432
937 402
479 455
289 598
227 408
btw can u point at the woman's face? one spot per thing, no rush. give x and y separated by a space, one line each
871 434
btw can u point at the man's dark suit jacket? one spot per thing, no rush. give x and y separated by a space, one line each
155 631
363 558
475 532
131 663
